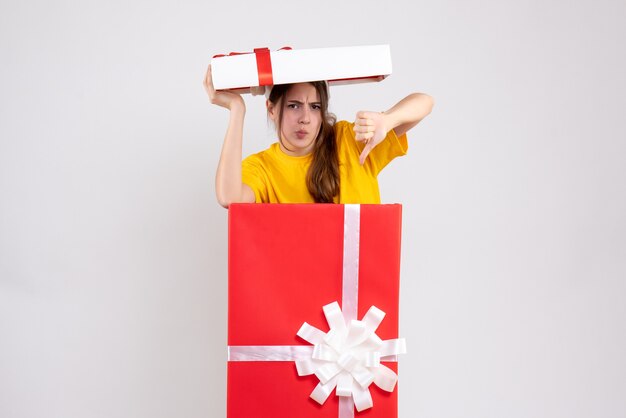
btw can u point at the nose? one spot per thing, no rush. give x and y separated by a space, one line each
305 116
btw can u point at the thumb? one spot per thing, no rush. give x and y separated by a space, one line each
366 151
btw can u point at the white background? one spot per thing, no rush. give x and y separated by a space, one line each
113 248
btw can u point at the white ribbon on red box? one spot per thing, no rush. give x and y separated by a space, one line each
346 358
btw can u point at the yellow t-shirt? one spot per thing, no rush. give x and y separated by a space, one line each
276 177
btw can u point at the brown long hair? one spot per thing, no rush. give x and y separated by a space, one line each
322 179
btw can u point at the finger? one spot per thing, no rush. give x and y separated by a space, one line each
364 128
208 79
364 114
364 121
208 85
365 152
364 136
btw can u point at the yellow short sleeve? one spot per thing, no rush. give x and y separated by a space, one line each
389 148
253 176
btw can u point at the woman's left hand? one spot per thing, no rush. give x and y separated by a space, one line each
370 128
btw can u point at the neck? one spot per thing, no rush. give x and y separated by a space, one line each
297 152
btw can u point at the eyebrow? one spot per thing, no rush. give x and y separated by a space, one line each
299 102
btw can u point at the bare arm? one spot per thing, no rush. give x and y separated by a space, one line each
408 112
372 127
228 185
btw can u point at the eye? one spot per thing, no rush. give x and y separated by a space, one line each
292 106
316 107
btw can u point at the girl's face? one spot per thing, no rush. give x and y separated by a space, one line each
301 119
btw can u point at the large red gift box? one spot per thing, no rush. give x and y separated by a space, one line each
286 261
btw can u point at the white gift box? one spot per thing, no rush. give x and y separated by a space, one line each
343 65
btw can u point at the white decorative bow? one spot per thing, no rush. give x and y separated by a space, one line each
348 357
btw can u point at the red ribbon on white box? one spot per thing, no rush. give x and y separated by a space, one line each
263 63
346 358
264 66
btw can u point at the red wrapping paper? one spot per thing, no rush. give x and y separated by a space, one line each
285 263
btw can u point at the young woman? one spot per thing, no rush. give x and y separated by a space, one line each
315 159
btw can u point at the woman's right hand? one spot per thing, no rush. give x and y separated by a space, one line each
226 99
